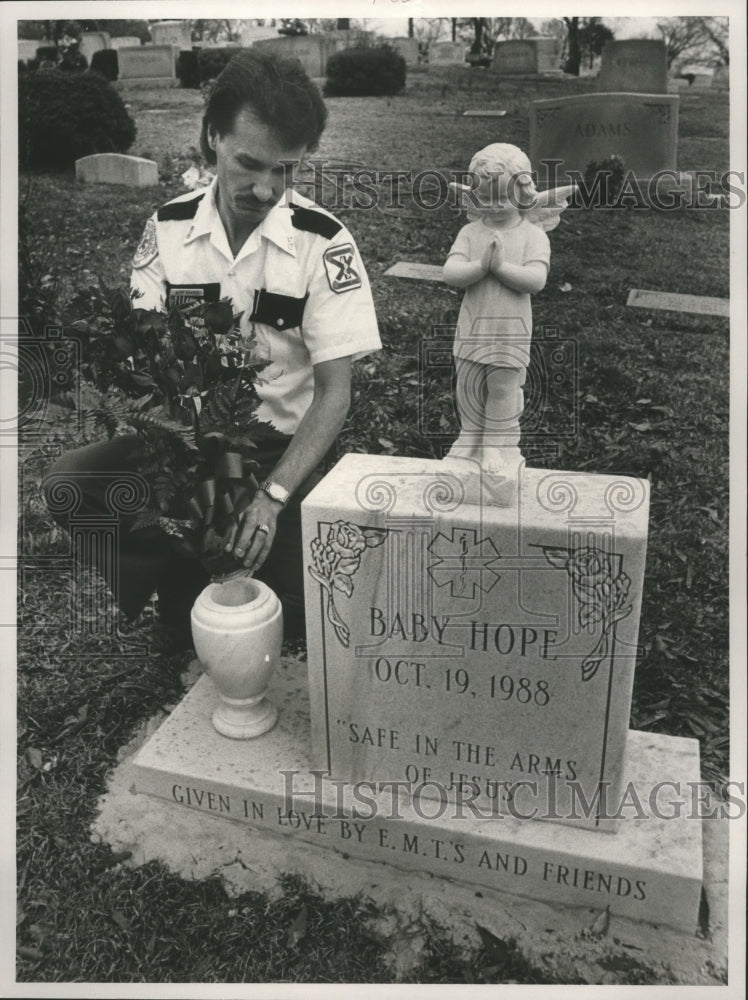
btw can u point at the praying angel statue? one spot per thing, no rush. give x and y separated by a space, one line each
501 258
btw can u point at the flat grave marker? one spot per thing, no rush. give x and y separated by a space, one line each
415 271
704 305
488 113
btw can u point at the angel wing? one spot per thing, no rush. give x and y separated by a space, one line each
545 212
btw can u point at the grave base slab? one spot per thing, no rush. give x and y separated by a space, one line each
650 870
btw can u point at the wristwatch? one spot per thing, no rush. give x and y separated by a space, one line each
275 491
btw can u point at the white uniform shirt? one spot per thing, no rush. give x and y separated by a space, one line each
494 326
298 279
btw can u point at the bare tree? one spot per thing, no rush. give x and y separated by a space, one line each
701 40
522 28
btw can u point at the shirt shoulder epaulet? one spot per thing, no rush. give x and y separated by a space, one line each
179 210
310 220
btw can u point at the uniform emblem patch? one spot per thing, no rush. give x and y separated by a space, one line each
341 275
148 247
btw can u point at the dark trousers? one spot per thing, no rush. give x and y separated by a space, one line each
145 560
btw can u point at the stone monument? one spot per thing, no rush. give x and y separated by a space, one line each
145 65
172 33
527 56
469 683
447 54
312 51
634 65
640 128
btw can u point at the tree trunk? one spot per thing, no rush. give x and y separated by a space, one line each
574 58
479 24
454 28
410 27
343 24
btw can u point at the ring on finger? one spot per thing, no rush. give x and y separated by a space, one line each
263 528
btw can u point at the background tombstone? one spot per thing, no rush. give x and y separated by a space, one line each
407 48
116 168
172 33
526 56
27 48
634 65
251 33
640 128
702 81
125 42
148 64
312 51
721 78
93 41
447 53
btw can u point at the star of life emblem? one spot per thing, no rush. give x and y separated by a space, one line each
464 563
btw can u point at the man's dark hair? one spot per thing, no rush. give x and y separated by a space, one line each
274 89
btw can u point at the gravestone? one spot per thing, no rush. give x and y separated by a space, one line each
703 305
640 128
172 33
436 631
634 65
251 33
116 168
721 78
526 56
447 53
93 41
415 270
470 631
312 51
148 64
407 48
27 49
125 42
702 81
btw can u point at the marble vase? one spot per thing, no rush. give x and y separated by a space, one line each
237 628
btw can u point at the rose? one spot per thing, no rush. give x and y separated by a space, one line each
323 557
589 568
346 540
219 317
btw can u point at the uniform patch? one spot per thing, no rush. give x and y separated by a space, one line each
147 249
341 275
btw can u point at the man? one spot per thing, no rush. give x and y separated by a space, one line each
294 272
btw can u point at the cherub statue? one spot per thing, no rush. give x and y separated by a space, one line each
501 258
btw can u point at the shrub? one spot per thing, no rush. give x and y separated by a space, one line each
63 116
106 64
365 72
210 62
187 69
47 53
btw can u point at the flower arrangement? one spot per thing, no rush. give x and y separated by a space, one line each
185 382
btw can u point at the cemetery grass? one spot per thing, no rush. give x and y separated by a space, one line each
647 395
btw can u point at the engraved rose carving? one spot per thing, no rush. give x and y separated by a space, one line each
600 592
335 561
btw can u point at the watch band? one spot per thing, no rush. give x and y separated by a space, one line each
275 491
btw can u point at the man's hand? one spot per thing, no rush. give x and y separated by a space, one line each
251 542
